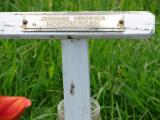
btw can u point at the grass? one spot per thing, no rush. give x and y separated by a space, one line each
125 74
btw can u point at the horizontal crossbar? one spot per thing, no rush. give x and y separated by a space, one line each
76 25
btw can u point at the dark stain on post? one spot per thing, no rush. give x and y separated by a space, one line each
72 89
51 36
70 37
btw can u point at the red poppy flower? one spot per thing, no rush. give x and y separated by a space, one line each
12 107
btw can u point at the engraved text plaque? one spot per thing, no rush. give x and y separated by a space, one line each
73 23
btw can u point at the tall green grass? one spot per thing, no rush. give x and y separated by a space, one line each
125 75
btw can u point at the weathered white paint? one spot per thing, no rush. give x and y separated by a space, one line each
76 80
137 25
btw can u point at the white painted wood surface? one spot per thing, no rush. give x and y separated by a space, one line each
76 80
137 25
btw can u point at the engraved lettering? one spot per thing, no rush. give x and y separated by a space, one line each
72 22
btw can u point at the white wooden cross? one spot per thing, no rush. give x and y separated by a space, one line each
75 28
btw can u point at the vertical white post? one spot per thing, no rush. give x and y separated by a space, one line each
76 80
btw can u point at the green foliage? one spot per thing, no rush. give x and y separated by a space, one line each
125 75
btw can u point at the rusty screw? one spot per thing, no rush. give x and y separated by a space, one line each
121 22
24 22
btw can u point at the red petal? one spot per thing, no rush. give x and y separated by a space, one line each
12 107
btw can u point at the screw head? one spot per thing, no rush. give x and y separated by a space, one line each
24 22
121 22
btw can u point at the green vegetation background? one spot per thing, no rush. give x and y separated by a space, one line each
125 75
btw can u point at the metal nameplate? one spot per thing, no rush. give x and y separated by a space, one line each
73 23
